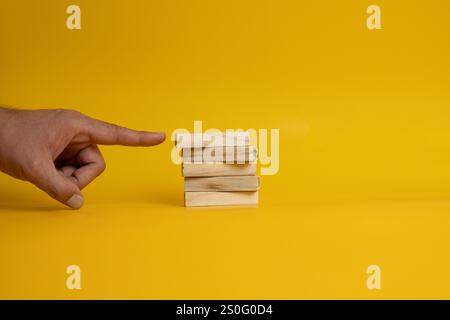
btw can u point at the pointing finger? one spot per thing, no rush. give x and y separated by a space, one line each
111 134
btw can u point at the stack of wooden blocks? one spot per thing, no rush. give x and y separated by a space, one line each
218 169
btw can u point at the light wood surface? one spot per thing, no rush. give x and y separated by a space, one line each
236 183
218 169
229 155
206 199
226 139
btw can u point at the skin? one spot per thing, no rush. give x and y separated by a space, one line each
57 150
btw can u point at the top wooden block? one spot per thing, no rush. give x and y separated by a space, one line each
201 140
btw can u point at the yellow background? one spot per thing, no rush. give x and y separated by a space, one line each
364 144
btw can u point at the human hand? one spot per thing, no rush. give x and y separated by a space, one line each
57 150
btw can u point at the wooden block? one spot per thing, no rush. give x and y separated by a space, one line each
218 169
236 183
229 155
207 199
224 139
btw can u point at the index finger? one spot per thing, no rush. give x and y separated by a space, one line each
106 133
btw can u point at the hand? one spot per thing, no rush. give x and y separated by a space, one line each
57 150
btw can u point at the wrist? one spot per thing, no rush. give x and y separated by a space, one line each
5 114
5 117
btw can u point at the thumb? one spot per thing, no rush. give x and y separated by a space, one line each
58 186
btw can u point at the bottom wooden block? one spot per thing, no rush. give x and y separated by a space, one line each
231 198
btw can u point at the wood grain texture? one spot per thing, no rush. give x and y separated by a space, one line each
218 169
208 199
198 140
229 155
236 183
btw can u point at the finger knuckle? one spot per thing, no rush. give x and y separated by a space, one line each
115 131
67 113
102 166
32 166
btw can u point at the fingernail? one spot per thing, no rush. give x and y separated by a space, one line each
76 202
162 135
